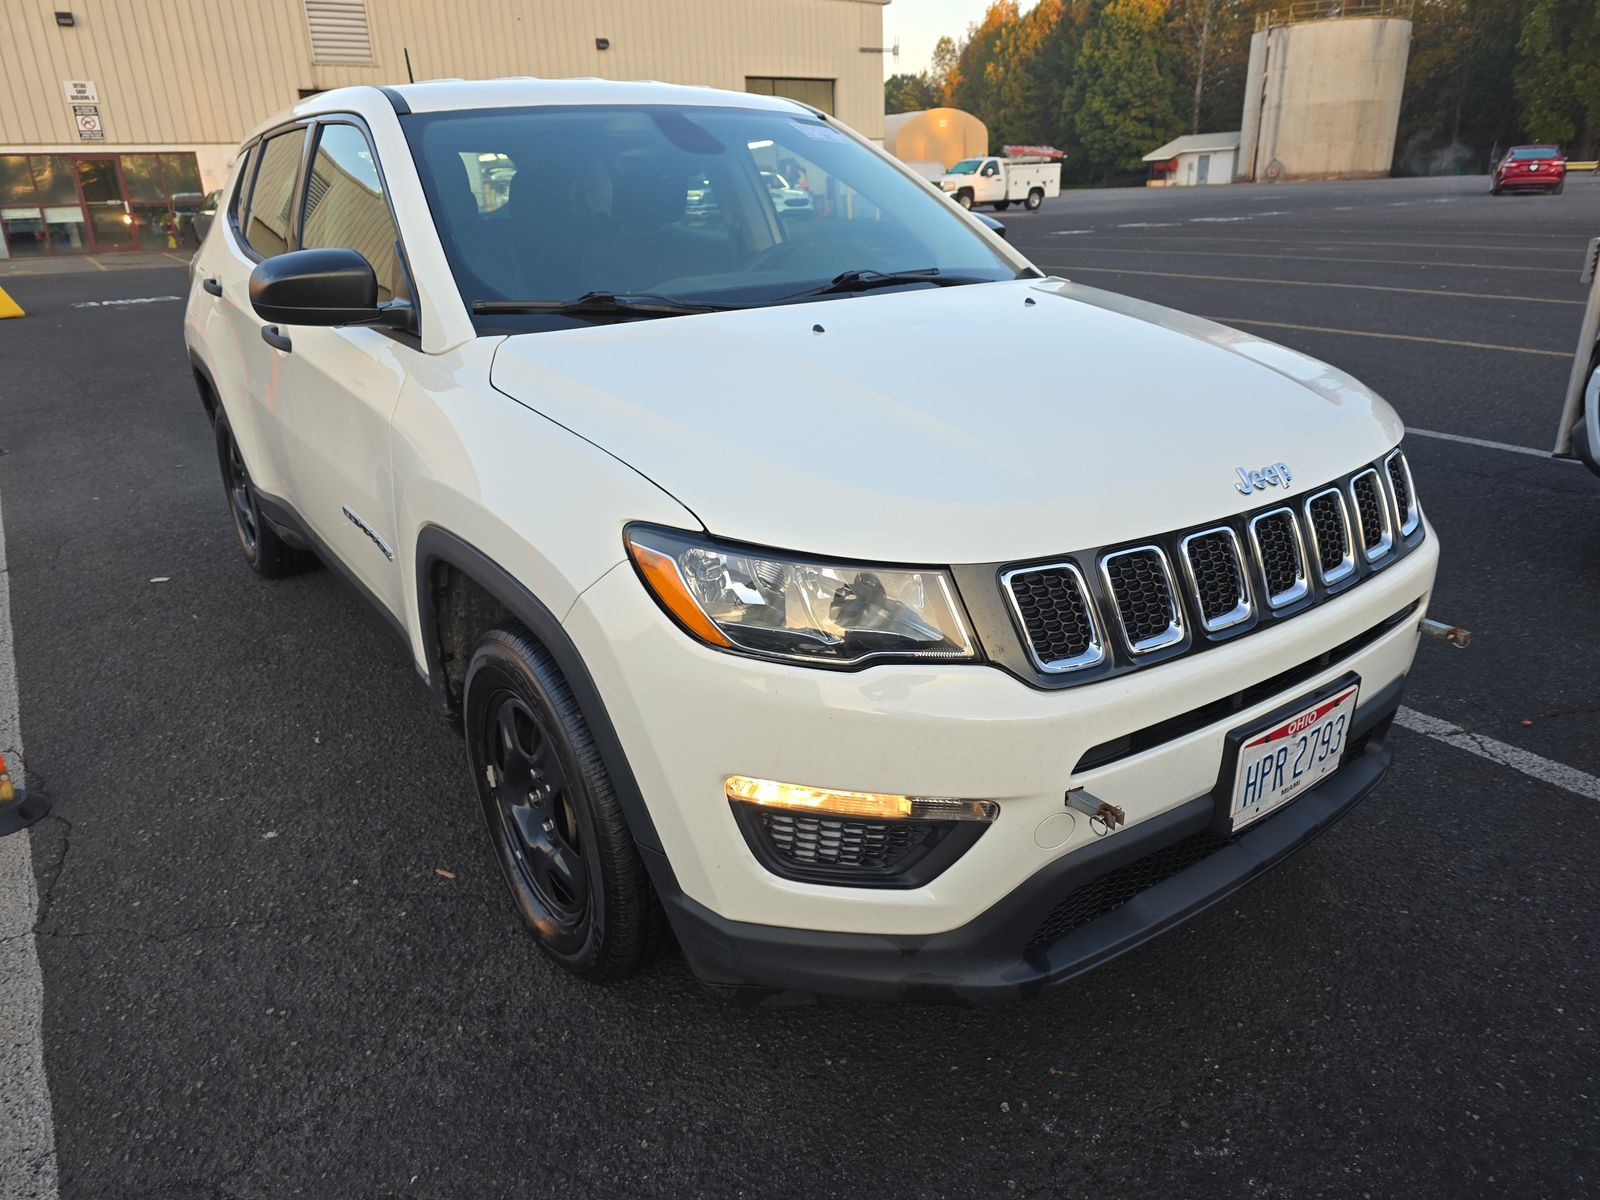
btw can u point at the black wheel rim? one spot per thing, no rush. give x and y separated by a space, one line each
239 499
533 811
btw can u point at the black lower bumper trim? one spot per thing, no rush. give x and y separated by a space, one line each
989 960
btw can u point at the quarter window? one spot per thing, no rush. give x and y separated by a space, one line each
266 229
241 188
345 204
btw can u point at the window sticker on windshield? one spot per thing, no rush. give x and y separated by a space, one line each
819 133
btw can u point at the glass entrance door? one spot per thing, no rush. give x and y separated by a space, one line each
111 223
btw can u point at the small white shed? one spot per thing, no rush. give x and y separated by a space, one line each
1194 159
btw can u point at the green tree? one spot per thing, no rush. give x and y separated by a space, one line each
941 74
907 93
1127 106
1558 73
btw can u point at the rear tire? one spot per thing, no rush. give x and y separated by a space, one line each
1034 200
267 553
557 829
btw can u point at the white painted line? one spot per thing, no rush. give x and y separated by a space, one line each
1486 443
1149 225
1068 232
122 303
1534 766
27 1130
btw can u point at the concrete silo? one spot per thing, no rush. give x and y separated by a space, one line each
1322 93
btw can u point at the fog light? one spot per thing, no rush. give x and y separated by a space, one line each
868 806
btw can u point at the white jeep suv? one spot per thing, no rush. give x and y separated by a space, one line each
772 611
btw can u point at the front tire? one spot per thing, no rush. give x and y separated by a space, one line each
965 200
267 553
557 829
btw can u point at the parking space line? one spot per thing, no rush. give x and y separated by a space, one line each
1575 252
1486 444
27 1130
1393 337
1356 287
1534 766
1096 248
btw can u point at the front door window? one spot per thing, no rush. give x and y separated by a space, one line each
111 223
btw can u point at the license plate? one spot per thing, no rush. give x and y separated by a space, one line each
1277 764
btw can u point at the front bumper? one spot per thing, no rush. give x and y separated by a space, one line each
999 956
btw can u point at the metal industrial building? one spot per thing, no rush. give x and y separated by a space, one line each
117 116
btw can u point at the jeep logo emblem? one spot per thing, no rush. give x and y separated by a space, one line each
1275 475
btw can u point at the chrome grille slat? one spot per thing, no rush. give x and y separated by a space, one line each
1398 471
1214 565
1280 555
1056 612
1328 530
1374 530
1145 597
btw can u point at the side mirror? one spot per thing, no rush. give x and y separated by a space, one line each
997 226
315 287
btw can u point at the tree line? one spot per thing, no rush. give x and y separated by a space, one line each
1110 80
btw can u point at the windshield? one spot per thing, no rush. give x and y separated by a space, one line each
965 167
1535 152
677 202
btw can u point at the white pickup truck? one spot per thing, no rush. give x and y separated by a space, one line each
999 181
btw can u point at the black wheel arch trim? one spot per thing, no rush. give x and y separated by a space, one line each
436 545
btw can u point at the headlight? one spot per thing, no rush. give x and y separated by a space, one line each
802 610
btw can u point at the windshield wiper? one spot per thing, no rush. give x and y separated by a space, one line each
626 304
866 279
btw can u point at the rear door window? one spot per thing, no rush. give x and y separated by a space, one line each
266 227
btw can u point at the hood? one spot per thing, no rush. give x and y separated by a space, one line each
967 424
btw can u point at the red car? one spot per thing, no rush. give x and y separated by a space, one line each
1530 169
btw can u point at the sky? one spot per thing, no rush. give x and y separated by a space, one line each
920 23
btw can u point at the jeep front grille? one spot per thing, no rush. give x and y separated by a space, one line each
1107 610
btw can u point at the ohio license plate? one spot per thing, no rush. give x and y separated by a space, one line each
1277 764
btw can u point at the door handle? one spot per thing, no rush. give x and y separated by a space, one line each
278 341
213 286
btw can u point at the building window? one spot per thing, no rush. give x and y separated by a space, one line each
818 93
144 201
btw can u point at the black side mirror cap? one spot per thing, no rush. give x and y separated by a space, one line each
997 226
331 286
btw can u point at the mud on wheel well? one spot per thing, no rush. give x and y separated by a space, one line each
463 611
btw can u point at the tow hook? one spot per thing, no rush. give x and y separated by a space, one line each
1454 634
19 808
1104 818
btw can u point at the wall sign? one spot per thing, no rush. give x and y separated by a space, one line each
87 118
81 91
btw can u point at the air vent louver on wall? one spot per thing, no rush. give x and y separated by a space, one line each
339 31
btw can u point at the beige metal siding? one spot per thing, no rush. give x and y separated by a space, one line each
178 72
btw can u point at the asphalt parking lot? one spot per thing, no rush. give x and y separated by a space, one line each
257 982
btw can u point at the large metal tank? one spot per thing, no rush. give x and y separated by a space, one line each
1322 96
930 140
